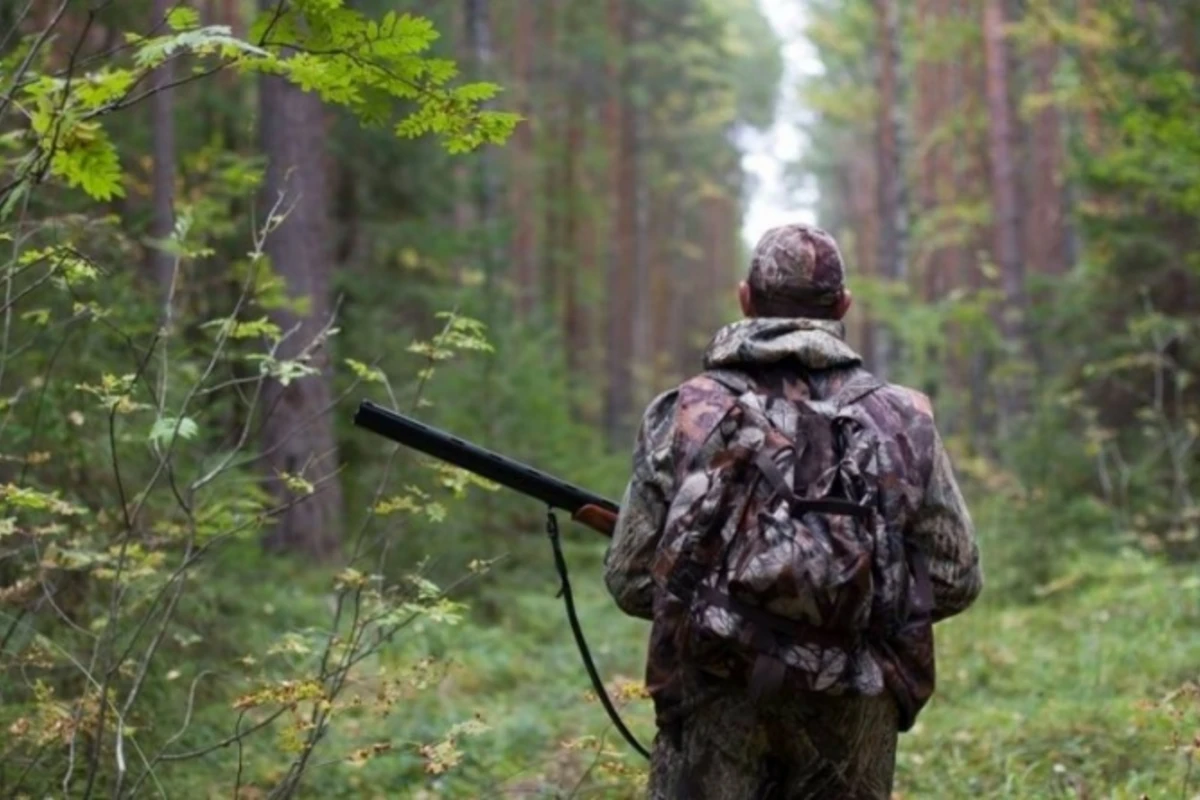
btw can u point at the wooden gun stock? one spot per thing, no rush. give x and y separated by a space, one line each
598 519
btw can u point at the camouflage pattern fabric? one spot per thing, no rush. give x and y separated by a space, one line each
776 564
796 266
810 748
893 676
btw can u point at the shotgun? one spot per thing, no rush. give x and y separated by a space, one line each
590 509
584 507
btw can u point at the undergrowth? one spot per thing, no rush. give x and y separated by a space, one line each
1090 691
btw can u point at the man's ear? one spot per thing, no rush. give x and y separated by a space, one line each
744 299
845 303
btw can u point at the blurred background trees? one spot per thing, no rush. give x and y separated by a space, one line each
1035 154
223 222
228 221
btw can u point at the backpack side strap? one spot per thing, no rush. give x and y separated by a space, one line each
804 505
857 388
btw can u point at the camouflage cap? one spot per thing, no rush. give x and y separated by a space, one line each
796 267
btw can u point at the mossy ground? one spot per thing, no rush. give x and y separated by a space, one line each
1083 692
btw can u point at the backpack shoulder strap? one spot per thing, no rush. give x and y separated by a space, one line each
857 388
736 382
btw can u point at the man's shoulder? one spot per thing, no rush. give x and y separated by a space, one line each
688 410
700 389
901 399
909 399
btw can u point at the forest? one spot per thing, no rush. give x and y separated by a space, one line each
223 223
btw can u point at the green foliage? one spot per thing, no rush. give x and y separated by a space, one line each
130 465
366 66
1103 448
369 67
139 527
1065 698
930 334
1032 697
147 643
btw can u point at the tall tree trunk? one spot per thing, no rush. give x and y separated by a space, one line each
552 97
926 254
592 209
1005 212
679 296
1046 221
623 257
1092 123
893 193
477 21
162 133
523 173
943 109
722 229
662 282
465 171
929 152
1186 21
576 258
966 87
298 431
863 173
690 297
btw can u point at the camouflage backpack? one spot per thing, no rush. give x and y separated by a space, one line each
776 565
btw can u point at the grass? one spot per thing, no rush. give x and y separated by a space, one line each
1084 693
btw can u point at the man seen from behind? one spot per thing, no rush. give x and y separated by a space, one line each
793 529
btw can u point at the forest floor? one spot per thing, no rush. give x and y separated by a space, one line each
1085 693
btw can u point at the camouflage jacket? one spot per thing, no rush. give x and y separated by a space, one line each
921 498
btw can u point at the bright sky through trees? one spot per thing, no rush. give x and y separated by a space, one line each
773 201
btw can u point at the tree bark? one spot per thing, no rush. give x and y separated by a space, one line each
1046 221
574 259
1093 126
926 254
622 261
297 430
477 22
893 192
464 172
867 222
966 89
1006 218
679 297
722 227
523 166
552 78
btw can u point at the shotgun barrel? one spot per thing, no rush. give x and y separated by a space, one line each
587 507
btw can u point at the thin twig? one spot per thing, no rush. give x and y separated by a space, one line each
237 728
16 26
117 593
203 751
19 75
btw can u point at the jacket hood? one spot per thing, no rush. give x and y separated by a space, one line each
815 344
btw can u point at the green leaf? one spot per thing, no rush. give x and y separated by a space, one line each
164 428
364 372
86 158
182 18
